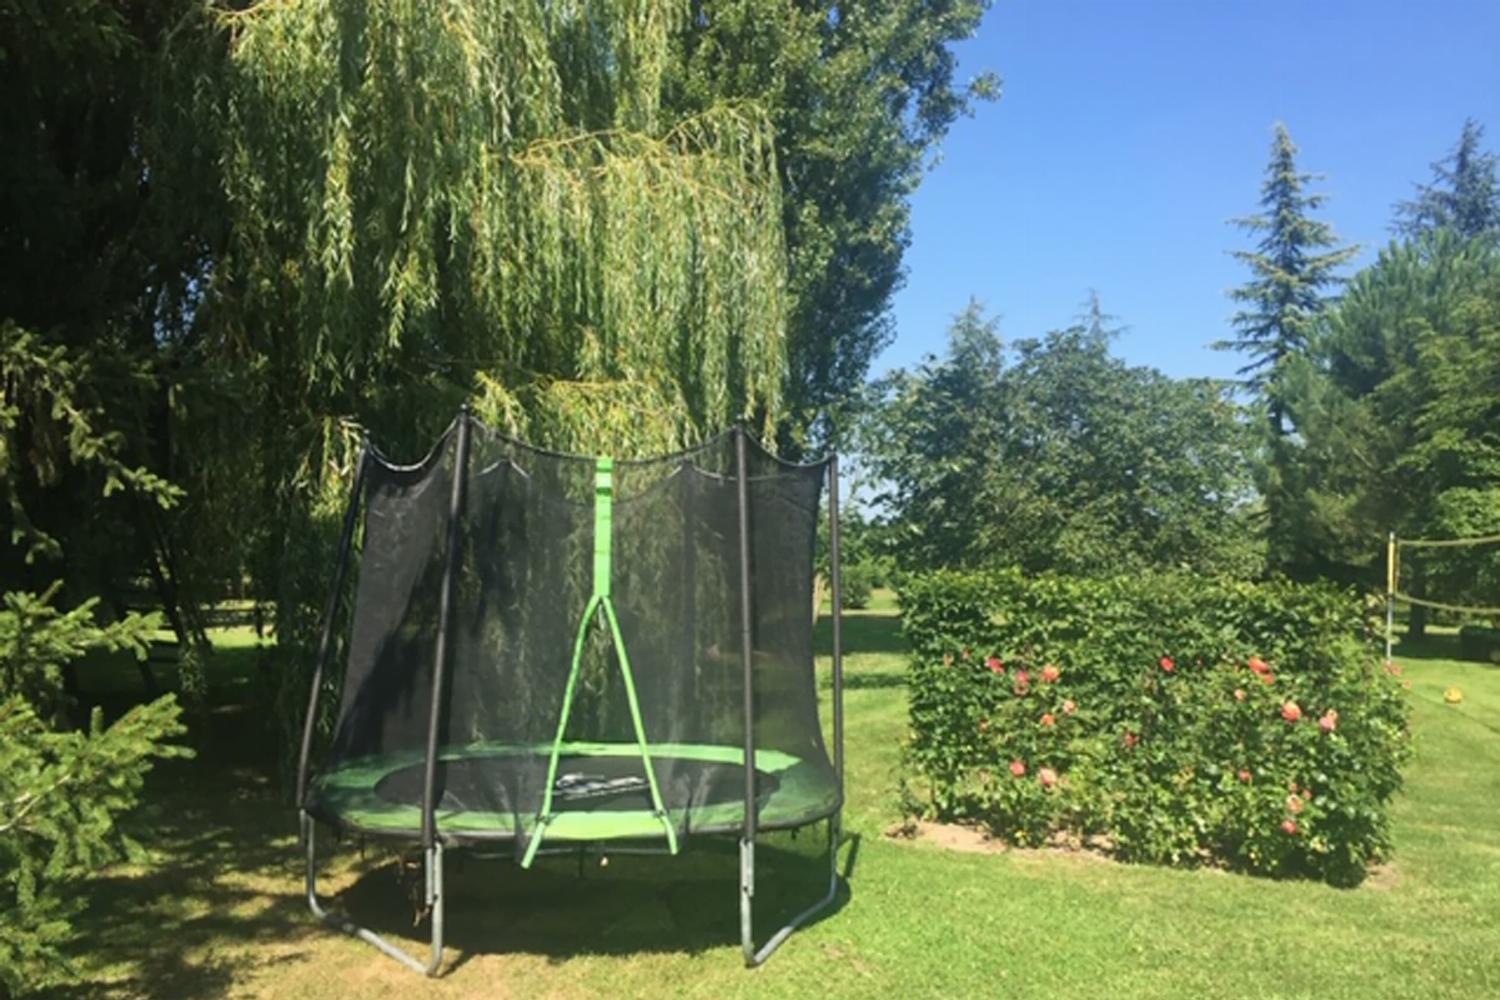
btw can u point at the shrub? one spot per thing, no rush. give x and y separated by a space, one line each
858 582
1179 720
1478 642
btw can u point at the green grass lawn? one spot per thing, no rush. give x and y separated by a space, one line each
221 913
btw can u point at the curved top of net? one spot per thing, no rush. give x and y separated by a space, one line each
567 477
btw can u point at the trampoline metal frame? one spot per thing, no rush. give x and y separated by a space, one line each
432 842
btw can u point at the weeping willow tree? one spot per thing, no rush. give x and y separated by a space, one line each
431 198
427 201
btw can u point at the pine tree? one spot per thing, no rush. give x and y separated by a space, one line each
1296 259
1463 195
1282 302
63 790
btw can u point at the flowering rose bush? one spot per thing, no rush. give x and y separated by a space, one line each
1177 720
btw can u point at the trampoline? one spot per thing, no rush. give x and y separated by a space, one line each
530 653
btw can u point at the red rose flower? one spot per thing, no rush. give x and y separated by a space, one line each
1018 768
1069 708
1047 777
1048 719
1289 827
1050 674
1267 679
1291 712
1167 664
996 667
1258 666
1330 721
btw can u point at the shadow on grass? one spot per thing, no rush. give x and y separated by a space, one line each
1436 646
222 899
183 927
863 633
573 905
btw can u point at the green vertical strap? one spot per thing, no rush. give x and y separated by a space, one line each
600 600
640 729
604 525
545 816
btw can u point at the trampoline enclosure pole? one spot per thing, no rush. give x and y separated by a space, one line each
325 643
837 601
445 608
747 660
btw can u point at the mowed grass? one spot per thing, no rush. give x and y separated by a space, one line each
221 913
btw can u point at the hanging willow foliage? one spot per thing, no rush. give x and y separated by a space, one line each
426 201
480 193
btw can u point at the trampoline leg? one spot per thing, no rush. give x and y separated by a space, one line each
747 894
754 958
434 899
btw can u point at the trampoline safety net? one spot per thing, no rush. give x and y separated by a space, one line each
594 680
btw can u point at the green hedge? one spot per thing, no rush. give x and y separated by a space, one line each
1479 642
1165 718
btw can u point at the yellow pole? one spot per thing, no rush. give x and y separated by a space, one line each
1390 593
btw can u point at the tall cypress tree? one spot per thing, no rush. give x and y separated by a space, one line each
1463 195
1285 295
1295 260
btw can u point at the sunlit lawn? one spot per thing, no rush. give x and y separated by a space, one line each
222 913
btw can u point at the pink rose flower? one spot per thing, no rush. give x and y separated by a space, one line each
996 667
1289 827
1291 712
1047 777
1330 721
1018 768
1167 664
1068 707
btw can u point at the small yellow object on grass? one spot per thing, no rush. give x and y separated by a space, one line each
1453 696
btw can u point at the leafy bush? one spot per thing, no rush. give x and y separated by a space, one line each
1166 718
858 581
1478 642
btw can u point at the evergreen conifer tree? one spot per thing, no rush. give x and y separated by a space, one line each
1296 259
1463 195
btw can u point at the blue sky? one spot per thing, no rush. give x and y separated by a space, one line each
1130 131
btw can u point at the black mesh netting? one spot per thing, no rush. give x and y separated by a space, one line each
524 576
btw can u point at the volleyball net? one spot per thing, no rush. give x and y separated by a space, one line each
1455 576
